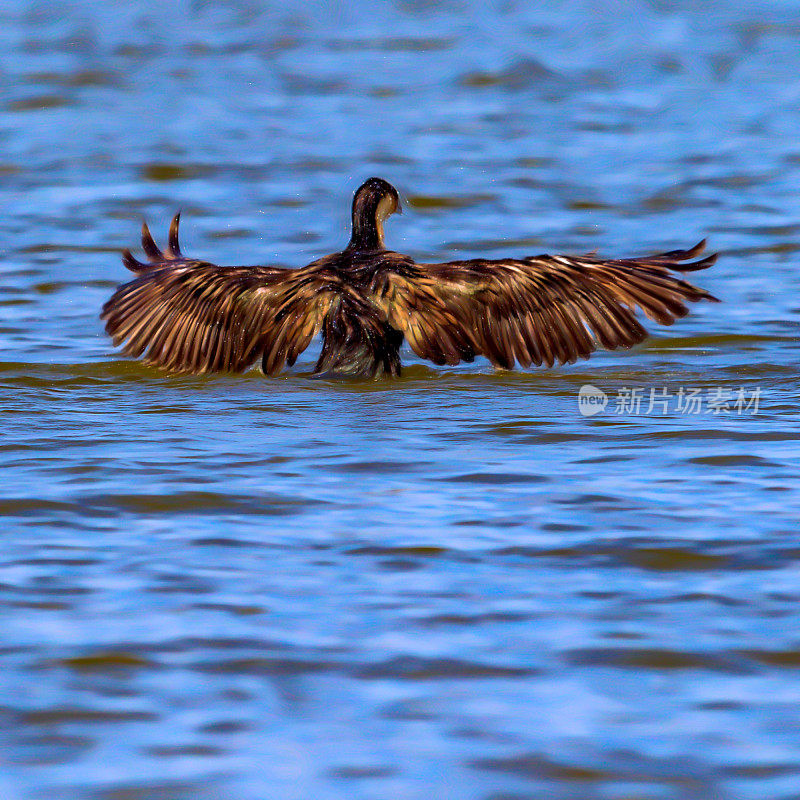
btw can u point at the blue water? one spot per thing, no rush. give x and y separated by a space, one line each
453 585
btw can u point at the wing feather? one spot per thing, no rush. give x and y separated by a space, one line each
535 310
188 315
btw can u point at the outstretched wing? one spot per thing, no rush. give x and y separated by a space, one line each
537 310
192 316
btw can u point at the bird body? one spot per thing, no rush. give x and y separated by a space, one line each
188 315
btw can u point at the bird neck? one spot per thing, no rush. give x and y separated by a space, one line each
367 233
368 214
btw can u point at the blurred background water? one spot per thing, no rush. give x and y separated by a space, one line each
452 585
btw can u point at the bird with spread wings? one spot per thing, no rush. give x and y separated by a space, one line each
188 315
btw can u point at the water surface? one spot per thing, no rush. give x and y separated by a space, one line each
452 585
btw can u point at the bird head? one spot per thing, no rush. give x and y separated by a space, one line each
374 201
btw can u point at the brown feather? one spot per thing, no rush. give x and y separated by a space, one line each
192 316
149 246
174 246
542 309
188 315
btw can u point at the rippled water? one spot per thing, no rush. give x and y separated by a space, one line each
452 585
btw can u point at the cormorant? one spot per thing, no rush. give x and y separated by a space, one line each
188 315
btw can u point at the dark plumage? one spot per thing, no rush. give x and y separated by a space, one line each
191 316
